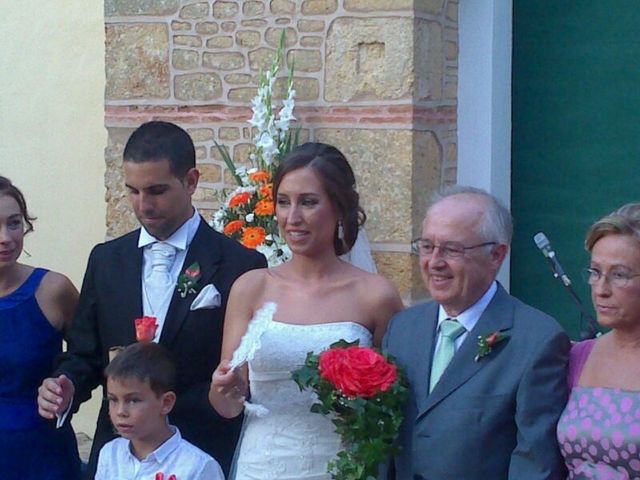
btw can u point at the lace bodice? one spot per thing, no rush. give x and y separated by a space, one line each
290 442
284 349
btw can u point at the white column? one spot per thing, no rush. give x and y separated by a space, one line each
484 99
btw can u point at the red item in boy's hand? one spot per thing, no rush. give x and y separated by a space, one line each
145 331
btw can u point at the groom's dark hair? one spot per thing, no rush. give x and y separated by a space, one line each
156 141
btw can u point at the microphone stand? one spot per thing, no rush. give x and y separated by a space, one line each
588 324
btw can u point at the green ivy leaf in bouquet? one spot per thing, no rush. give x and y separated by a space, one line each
364 393
248 213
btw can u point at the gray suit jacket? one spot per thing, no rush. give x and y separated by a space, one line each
492 419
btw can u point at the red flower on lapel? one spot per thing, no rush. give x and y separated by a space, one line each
487 342
188 280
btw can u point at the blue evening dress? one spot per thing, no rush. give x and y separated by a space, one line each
31 448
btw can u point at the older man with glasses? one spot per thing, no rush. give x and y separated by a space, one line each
487 372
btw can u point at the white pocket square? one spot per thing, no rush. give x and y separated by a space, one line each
209 297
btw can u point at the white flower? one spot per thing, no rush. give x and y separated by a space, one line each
260 112
217 222
242 173
277 251
268 147
249 217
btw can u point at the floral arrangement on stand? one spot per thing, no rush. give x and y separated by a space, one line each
248 213
363 392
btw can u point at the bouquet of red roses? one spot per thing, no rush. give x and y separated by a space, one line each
364 392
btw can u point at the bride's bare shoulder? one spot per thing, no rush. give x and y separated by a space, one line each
378 291
251 282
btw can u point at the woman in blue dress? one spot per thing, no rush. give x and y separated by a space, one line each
36 306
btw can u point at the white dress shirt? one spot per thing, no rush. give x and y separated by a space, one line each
176 457
180 240
469 318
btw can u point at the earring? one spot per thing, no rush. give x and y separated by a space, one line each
340 231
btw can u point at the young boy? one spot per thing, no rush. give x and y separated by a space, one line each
140 383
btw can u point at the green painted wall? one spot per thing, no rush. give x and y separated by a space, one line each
576 136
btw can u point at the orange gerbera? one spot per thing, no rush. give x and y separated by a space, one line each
253 236
267 191
238 199
264 208
233 226
260 176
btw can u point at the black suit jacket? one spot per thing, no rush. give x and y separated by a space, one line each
110 300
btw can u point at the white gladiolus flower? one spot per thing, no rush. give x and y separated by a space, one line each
268 146
270 127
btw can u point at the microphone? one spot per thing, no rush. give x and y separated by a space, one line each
590 330
543 243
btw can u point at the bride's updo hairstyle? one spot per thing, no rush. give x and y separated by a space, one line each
338 181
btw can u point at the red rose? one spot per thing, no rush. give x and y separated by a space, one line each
494 338
357 371
193 271
145 328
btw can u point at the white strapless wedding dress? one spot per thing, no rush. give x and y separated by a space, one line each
289 442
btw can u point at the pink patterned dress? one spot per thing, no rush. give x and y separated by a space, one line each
599 430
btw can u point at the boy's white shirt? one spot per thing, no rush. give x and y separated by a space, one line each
176 457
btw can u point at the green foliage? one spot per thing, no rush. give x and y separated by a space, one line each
368 427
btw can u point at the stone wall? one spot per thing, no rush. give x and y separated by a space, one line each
376 78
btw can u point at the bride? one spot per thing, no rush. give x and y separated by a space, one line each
319 299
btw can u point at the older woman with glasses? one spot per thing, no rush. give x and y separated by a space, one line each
599 431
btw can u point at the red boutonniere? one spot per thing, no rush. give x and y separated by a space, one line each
487 342
145 329
188 280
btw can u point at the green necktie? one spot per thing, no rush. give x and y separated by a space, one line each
450 329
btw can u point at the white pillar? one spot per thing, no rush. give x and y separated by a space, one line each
484 99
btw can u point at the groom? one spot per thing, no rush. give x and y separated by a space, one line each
140 274
476 413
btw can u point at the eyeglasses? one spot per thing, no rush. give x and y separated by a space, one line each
616 278
425 248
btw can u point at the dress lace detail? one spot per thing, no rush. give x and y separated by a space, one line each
290 442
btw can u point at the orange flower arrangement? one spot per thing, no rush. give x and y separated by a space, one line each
253 236
248 213
266 191
233 227
238 199
260 176
264 207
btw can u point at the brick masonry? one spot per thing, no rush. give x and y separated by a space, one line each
377 78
